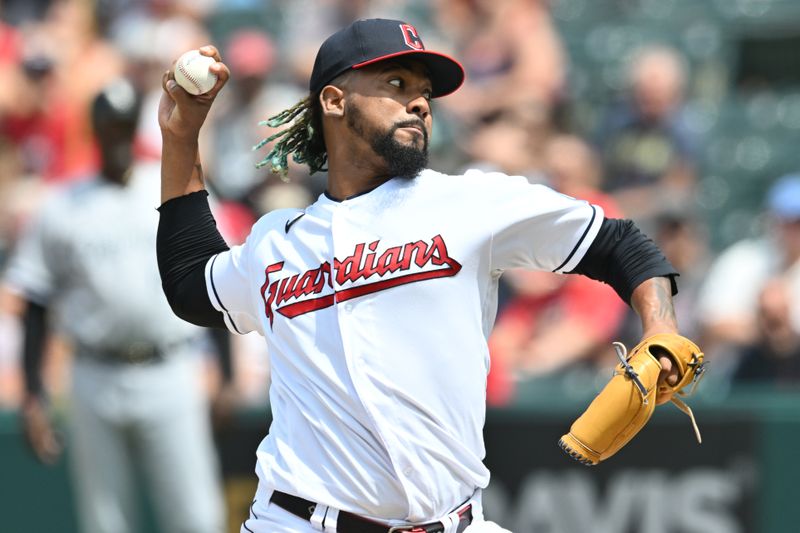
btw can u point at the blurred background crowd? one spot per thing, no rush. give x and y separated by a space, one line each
683 115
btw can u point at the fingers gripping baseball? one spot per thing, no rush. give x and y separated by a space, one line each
181 114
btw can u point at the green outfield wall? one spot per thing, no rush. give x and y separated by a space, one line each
740 480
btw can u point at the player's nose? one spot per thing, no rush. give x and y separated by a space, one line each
419 106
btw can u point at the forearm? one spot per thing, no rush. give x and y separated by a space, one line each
35 330
181 172
652 301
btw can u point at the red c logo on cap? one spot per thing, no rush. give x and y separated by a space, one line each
411 37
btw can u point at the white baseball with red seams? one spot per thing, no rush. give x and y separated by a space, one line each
193 74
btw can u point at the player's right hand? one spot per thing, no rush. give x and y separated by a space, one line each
180 114
38 430
223 407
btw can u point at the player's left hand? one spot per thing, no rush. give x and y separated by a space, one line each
661 368
39 432
669 375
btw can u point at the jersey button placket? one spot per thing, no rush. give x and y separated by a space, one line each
345 237
342 247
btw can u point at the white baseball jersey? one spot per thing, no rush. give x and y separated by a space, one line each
91 251
376 311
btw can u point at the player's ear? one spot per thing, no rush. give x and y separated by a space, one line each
331 99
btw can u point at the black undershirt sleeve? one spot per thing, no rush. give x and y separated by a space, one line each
623 257
35 331
187 238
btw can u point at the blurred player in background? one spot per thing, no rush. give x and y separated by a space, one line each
136 403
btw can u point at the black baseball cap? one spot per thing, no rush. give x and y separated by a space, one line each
369 41
118 102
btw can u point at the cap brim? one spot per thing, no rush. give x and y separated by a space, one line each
446 74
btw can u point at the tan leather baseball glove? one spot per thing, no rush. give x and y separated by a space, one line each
626 403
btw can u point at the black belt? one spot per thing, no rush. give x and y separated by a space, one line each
134 353
352 523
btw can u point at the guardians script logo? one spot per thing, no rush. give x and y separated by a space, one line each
297 294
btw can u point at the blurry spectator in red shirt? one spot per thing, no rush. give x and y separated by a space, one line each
64 63
774 358
40 122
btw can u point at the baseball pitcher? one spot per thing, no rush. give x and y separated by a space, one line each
376 301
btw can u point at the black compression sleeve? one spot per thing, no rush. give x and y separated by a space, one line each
187 238
35 330
624 257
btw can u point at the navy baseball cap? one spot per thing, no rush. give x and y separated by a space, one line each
369 41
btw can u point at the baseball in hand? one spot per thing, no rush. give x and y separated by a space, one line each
193 74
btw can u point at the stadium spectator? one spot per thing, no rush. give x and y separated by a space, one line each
683 240
555 321
728 300
64 62
509 142
774 357
311 20
650 155
511 52
233 176
18 12
170 31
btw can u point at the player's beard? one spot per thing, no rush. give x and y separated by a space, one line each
402 161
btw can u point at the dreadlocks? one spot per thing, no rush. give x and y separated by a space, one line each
303 139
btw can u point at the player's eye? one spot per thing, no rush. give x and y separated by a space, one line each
397 82
427 94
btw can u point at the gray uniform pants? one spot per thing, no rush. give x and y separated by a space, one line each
147 421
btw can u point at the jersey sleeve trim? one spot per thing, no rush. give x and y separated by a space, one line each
584 242
213 295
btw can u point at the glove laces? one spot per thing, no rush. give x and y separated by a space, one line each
696 367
